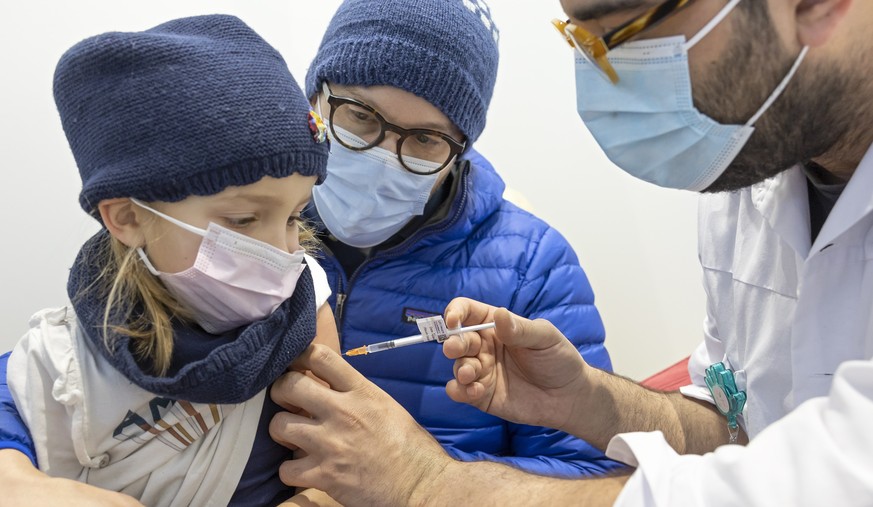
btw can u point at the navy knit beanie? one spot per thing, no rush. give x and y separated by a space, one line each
444 51
189 107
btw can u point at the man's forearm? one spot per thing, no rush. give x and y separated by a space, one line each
486 483
611 404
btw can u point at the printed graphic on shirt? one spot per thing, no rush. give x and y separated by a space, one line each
176 424
410 315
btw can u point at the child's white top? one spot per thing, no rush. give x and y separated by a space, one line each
90 423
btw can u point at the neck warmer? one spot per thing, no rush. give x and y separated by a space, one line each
244 364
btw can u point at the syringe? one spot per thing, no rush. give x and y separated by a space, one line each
411 340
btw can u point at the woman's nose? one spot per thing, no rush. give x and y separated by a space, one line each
390 141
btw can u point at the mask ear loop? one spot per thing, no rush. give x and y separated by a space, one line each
703 32
325 91
318 105
168 218
190 228
145 260
779 89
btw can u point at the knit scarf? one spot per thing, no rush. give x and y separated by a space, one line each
233 372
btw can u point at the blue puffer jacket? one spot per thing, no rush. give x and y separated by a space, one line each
13 432
486 249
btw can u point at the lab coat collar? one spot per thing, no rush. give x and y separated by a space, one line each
784 202
855 203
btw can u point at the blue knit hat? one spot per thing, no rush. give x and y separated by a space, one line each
189 107
444 51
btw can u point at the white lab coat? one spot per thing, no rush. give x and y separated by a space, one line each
796 321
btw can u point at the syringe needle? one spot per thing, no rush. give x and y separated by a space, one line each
360 351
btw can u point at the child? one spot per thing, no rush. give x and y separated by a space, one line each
197 152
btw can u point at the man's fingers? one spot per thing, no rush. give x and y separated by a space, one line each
328 366
471 394
466 312
510 329
516 331
301 472
467 370
293 431
300 394
463 345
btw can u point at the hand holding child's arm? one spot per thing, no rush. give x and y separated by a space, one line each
310 498
22 484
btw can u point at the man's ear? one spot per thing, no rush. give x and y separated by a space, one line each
124 220
817 20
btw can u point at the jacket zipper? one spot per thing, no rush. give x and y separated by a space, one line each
338 313
340 295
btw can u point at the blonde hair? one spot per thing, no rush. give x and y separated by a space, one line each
147 309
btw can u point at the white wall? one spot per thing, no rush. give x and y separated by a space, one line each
637 242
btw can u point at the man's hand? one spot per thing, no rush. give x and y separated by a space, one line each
522 370
359 445
528 372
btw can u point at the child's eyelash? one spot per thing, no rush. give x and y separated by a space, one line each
240 222
245 221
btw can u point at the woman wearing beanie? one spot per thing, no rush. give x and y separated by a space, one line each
411 217
198 152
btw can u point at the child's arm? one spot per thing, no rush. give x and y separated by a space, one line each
325 328
22 484
326 334
310 498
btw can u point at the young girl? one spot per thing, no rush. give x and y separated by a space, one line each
197 152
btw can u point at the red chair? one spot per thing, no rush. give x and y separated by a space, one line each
670 379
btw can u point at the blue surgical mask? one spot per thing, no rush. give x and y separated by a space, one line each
368 196
647 123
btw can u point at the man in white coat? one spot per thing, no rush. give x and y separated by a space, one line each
778 135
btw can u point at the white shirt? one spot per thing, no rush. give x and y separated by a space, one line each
90 423
795 320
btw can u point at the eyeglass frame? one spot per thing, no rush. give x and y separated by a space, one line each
595 48
334 101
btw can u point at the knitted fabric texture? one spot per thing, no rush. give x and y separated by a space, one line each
444 51
189 107
231 373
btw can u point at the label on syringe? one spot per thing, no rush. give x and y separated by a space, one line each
433 328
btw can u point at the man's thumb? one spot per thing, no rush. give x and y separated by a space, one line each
515 331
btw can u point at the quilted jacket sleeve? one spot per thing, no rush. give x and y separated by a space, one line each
555 288
13 432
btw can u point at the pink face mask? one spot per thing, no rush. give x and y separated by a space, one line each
235 280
